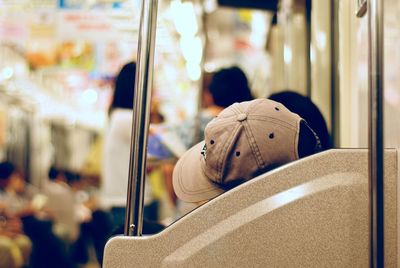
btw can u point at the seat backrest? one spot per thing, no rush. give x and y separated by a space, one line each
310 213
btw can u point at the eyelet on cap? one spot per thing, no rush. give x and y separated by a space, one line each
241 117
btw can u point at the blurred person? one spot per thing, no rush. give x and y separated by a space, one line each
116 152
306 108
23 202
15 246
245 140
155 115
226 86
62 204
16 192
154 168
108 215
229 85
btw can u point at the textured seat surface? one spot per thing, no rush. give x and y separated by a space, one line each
310 213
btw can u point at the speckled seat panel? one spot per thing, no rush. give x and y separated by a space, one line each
310 213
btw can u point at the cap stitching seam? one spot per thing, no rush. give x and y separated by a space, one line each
275 121
236 110
255 104
221 118
224 150
218 124
254 146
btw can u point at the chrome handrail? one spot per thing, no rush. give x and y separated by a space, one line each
141 119
376 141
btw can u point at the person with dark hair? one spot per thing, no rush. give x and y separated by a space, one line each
6 170
15 246
16 192
229 85
108 213
124 88
24 202
117 141
61 202
53 173
304 107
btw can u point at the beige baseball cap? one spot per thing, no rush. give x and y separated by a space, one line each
244 140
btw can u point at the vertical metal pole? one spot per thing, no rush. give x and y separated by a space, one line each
141 118
335 78
376 161
308 8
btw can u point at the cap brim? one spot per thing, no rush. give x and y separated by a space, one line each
189 181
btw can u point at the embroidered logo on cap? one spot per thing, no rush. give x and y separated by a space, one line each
204 151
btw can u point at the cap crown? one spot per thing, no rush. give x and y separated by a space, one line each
248 137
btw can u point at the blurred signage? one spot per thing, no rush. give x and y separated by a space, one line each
25 5
79 4
34 4
93 25
70 3
42 24
12 5
13 29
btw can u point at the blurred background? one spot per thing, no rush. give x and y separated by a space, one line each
59 58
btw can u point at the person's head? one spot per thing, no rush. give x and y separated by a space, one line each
155 115
243 141
53 173
229 85
57 175
10 178
124 87
304 107
72 178
6 170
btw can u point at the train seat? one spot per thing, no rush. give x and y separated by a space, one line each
310 213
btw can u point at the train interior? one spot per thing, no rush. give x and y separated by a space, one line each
336 208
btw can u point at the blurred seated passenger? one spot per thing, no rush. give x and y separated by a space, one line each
62 203
244 141
304 107
227 86
21 200
16 193
15 246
